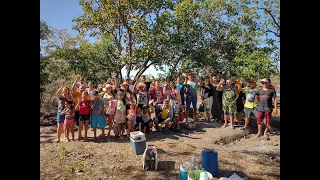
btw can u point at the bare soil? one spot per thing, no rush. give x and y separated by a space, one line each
111 158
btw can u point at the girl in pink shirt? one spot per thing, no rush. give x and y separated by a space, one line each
132 116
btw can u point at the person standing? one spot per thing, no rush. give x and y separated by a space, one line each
266 96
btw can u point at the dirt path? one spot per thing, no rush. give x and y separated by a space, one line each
113 159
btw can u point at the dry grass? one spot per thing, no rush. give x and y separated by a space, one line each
114 159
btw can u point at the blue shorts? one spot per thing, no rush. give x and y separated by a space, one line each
132 122
97 119
193 100
84 117
60 118
248 112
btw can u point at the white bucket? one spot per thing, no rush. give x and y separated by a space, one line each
208 175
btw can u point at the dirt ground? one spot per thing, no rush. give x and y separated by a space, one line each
238 152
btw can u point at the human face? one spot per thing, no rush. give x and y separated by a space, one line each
120 96
90 84
96 96
190 78
157 83
172 86
81 88
228 83
214 79
139 110
179 80
141 88
234 78
253 85
219 75
165 104
84 95
143 78
264 85
206 82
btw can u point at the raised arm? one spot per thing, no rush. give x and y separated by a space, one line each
59 92
74 85
219 87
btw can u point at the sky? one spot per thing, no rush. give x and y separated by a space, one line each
59 14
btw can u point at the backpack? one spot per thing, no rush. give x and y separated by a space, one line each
202 107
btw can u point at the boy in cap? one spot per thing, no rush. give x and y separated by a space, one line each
96 114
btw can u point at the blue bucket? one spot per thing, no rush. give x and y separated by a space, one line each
184 168
209 161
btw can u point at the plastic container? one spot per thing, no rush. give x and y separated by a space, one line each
138 142
184 169
209 161
204 175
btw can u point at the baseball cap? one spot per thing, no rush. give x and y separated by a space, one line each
264 80
95 93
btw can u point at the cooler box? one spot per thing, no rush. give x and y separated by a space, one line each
138 142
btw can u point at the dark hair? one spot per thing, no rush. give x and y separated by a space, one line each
143 75
218 72
269 80
190 74
234 74
69 101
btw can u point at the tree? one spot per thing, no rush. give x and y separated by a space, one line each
45 33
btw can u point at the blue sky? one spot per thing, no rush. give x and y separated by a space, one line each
59 14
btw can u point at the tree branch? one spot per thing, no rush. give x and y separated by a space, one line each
275 33
271 15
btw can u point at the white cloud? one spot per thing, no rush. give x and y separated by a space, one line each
151 70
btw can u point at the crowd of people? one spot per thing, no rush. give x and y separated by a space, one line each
148 106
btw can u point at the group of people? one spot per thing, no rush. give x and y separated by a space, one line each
146 105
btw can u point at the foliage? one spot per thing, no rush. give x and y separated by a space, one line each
231 36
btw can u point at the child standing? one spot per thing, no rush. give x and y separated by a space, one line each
132 115
120 115
69 118
97 113
146 123
84 115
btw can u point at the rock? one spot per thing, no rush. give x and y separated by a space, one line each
221 144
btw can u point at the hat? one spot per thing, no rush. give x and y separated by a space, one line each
95 93
145 106
120 93
124 83
264 80
141 84
251 81
127 78
108 85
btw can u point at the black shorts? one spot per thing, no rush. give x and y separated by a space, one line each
84 117
140 105
240 105
160 120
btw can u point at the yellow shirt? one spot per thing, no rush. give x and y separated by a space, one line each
251 98
165 114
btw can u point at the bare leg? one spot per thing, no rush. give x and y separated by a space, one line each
86 128
129 130
259 131
140 127
80 129
72 131
232 121
59 131
120 129
246 122
94 134
66 129
110 124
225 121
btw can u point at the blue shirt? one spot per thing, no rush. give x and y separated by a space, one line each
98 108
181 88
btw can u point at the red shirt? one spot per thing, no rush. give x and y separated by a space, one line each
84 106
